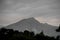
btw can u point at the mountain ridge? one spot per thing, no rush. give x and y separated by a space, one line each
1 26
32 24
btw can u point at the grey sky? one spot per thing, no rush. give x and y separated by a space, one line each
14 10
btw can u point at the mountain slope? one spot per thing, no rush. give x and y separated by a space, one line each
32 24
1 26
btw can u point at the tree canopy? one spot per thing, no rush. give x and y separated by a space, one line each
10 34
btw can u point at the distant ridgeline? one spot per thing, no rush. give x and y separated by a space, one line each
10 34
1 26
31 24
22 30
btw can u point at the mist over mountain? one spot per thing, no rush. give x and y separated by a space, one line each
32 24
1 26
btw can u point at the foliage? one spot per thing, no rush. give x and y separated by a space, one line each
10 34
58 30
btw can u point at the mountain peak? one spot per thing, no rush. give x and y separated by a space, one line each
31 18
33 25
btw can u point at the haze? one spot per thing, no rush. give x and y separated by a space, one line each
45 11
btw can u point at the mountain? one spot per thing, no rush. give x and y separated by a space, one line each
1 26
32 24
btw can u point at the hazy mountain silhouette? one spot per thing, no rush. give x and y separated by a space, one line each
32 24
1 26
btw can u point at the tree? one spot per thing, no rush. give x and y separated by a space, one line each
58 30
58 38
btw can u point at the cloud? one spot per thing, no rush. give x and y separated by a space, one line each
51 21
18 9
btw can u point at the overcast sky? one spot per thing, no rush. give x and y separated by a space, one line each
45 11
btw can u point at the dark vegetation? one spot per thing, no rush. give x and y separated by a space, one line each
10 34
58 30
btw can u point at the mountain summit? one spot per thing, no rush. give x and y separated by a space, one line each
25 24
32 24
